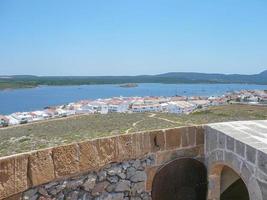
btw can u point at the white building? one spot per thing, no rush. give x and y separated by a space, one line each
98 107
118 106
200 103
146 107
23 117
180 107
61 112
12 120
38 115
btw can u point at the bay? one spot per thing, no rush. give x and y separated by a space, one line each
19 100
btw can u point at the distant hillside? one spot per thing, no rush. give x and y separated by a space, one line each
19 81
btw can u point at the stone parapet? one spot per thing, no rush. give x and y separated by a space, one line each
242 147
19 173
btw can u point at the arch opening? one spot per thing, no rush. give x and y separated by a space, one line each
181 179
232 186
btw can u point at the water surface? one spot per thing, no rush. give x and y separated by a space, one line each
40 97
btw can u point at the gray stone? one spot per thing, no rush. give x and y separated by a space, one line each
138 188
117 196
74 184
221 141
137 164
90 182
113 179
72 195
135 198
52 184
233 160
212 158
263 187
146 196
230 143
122 175
240 148
105 196
43 192
262 161
211 139
246 171
102 175
124 180
56 189
251 154
111 188
130 172
125 165
219 155
85 196
60 196
99 188
30 194
138 176
114 170
123 186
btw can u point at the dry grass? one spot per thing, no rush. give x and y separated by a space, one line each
56 132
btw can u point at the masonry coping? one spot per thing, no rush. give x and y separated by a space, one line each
252 133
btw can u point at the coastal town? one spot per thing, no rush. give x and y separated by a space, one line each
176 104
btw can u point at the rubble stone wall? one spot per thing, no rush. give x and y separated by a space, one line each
117 167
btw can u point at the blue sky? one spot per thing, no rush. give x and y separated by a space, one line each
129 37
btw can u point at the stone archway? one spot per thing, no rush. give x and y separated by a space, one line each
223 176
232 186
181 179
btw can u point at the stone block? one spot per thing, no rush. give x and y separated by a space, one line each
15 197
230 143
184 137
251 154
232 160
191 131
255 192
66 160
125 147
89 159
200 135
262 161
150 172
41 167
13 175
166 156
157 141
263 188
211 158
221 141
107 151
211 140
246 171
100 188
142 144
173 138
240 148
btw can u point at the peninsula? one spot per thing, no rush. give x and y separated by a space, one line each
26 81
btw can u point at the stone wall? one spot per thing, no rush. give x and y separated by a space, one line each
100 169
239 152
116 181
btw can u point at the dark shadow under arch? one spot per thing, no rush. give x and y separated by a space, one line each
181 179
237 190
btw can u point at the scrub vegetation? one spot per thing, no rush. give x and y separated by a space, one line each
55 132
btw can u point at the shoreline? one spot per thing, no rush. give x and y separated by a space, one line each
122 84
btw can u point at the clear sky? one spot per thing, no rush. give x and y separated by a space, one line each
129 37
